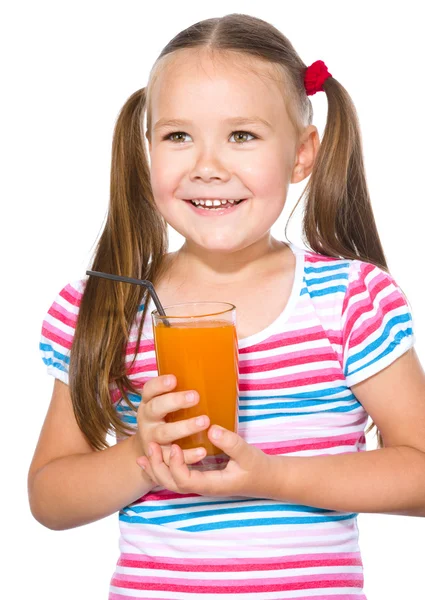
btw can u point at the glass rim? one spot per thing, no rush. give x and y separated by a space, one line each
213 314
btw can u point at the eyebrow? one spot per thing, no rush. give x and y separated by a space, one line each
232 120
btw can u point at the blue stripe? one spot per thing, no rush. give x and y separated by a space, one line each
227 511
355 406
328 278
382 338
58 355
400 335
142 508
329 290
128 419
122 406
312 394
258 522
290 404
333 267
49 362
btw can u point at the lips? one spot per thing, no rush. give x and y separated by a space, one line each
224 209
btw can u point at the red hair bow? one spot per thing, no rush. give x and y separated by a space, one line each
314 77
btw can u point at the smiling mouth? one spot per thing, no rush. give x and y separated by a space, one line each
215 204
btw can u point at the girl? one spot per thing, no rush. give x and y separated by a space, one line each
325 338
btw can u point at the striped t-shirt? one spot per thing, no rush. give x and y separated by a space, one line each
345 320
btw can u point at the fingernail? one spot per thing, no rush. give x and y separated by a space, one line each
150 451
200 421
216 433
173 451
190 396
168 381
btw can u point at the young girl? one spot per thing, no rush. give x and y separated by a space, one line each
325 338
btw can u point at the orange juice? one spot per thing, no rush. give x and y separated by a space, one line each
203 355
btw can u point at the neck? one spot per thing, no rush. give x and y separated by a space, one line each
221 268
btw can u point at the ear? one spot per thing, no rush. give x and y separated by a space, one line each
308 148
148 137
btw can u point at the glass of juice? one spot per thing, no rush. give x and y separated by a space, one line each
197 342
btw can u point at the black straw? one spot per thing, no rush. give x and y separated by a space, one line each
143 282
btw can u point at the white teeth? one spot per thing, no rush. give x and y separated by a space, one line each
212 202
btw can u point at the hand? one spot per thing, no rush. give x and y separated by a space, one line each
246 474
153 408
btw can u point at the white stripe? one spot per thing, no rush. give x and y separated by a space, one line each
246 596
242 576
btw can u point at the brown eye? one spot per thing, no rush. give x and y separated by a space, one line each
167 137
239 134
243 133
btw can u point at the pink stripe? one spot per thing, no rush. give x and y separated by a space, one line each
353 437
56 335
325 376
144 346
114 596
304 357
332 419
372 324
241 564
357 308
165 495
331 534
354 557
287 339
315 258
323 580
72 295
305 303
314 445
138 367
61 314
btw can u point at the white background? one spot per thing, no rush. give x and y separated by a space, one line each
68 67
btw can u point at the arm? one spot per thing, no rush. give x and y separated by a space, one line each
389 480
70 484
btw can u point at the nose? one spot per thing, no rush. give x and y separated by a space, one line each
208 166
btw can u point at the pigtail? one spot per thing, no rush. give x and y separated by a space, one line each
133 243
338 217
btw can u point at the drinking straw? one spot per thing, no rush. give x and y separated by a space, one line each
143 282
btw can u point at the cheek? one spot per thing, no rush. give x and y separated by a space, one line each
267 175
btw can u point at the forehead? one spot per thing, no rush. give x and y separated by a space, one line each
212 86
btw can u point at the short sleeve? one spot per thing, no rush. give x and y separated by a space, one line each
58 328
377 323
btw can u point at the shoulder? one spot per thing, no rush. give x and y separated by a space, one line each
325 277
61 318
351 274
58 328
349 285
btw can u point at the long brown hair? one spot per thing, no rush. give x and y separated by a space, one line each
338 217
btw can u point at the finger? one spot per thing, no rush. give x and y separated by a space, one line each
185 479
166 433
157 386
232 443
144 464
160 470
190 456
159 407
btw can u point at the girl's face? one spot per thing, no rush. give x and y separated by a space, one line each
212 157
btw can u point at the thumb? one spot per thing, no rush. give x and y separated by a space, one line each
226 440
